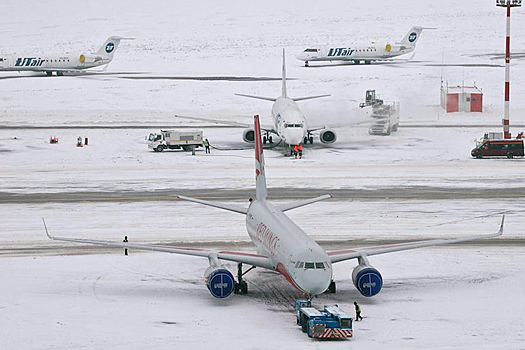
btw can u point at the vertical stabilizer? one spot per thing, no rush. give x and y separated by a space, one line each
109 47
260 178
284 75
411 37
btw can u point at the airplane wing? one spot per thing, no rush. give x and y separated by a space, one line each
342 255
239 257
227 122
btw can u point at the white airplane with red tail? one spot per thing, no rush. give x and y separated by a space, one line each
282 246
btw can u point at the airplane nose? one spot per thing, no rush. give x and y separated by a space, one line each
316 282
301 56
294 137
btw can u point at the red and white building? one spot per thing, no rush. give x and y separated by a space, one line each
461 99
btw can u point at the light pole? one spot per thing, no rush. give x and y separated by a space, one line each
508 4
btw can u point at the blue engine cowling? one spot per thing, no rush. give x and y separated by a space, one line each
367 280
220 283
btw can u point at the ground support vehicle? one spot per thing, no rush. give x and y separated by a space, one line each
509 148
387 115
171 139
329 323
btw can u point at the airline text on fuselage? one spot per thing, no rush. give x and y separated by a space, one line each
340 51
29 62
267 237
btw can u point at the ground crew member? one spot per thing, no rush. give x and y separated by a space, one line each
125 240
300 151
207 145
357 312
296 150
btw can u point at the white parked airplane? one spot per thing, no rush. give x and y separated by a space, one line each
289 123
60 64
282 246
366 53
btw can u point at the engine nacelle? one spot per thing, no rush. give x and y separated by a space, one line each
328 136
83 58
393 48
219 281
367 280
248 135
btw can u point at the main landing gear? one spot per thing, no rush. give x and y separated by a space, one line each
306 64
267 138
241 287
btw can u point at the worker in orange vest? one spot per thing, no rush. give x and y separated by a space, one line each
300 150
296 150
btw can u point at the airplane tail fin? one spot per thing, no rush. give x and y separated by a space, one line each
411 37
284 74
260 177
110 46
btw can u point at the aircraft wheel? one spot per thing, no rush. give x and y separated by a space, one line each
49 74
59 74
367 62
305 140
311 140
244 287
306 64
264 139
270 139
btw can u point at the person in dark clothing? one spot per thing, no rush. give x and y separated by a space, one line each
207 145
357 312
125 240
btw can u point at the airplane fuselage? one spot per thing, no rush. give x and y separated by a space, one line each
292 252
290 123
45 63
367 53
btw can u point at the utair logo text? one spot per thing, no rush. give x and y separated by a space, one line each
340 51
110 47
412 37
28 61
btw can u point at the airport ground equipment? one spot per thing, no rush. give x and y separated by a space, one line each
498 147
385 113
329 323
173 139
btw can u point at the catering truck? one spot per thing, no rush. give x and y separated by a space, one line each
173 139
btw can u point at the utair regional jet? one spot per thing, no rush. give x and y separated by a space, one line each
60 64
363 52
282 246
289 123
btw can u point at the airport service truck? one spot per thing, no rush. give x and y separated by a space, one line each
172 139
329 323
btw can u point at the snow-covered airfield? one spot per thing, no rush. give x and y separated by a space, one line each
418 183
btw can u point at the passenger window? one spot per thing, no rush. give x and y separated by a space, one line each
309 265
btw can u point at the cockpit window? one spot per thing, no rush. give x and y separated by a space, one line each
309 265
319 265
311 50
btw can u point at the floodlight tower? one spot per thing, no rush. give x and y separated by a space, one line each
508 4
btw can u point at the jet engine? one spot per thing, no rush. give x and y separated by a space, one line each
88 58
367 280
218 279
248 135
393 48
328 136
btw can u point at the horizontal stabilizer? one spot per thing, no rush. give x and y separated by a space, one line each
273 99
302 203
219 205
309 97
